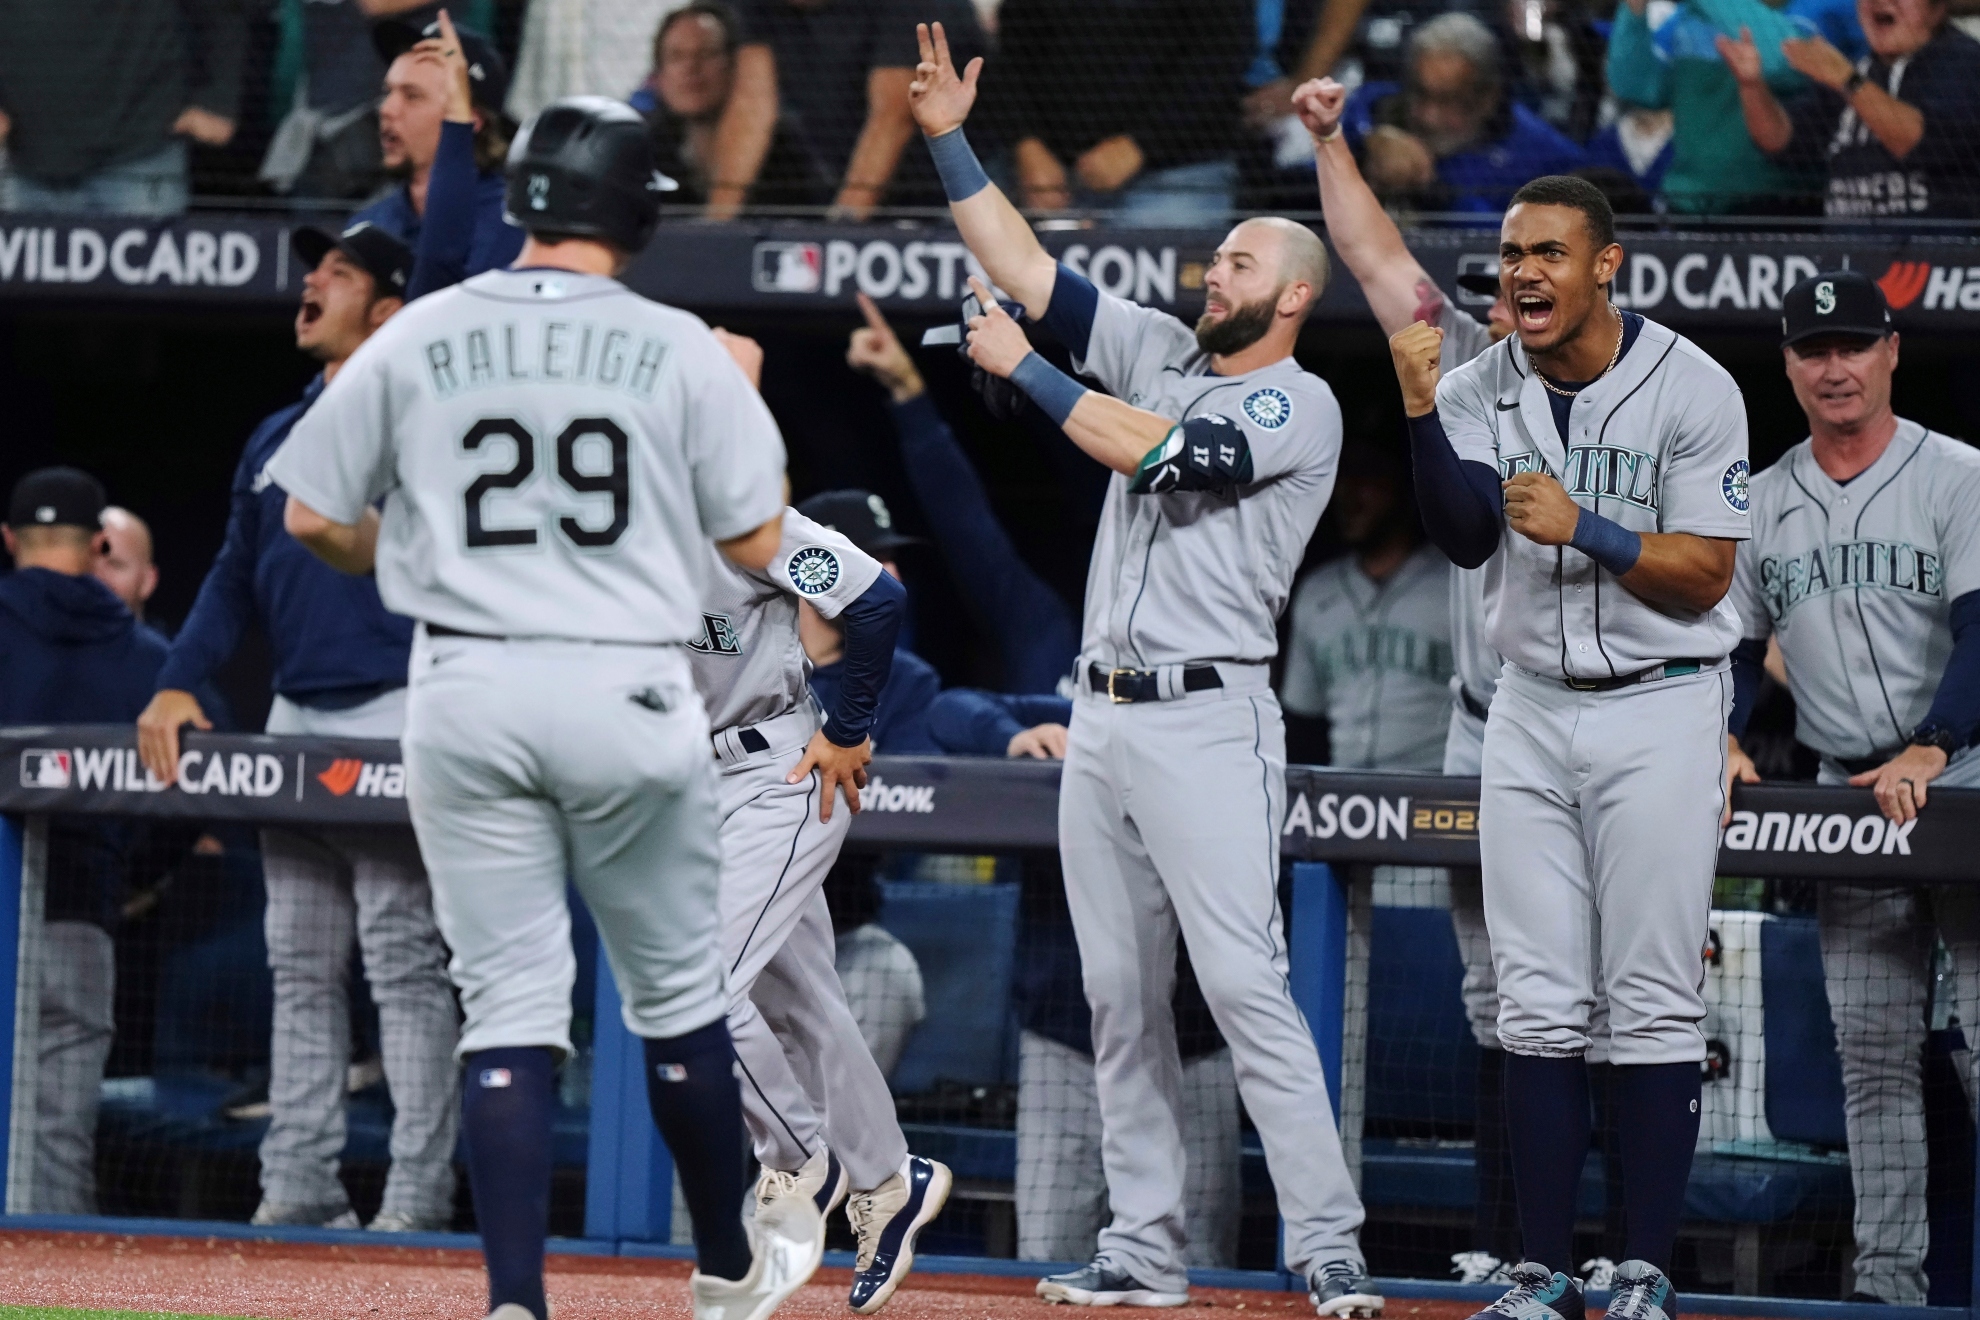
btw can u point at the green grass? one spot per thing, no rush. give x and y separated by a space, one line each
64 1313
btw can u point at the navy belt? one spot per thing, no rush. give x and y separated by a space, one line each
1655 673
1126 685
344 698
1479 710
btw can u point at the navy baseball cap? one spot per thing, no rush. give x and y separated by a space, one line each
1480 283
488 76
388 261
57 497
861 517
1834 302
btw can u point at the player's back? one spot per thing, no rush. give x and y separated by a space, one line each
555 452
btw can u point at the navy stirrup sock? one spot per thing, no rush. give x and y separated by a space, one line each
1548 1128
1657 1118
697 1105
1495 1222
506 1107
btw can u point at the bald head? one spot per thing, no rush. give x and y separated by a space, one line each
124 564
1301 256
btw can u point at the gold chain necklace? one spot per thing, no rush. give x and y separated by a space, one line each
1621 330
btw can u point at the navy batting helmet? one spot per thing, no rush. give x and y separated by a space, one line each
584 166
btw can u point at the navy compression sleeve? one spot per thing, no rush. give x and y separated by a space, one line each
1956 705
446 232
1069 315
1463 507
872 623
1749 671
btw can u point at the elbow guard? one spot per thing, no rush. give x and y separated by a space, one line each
1208 453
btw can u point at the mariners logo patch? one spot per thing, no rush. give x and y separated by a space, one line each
1268 408
814 570
1733 486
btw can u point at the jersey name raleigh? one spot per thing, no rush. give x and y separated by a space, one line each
545 353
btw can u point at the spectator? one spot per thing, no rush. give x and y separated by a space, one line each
1557 63
441 128
1370 644
1638 145
1449 138
842 69
70 653
1715 167
882 980
340 670
1899 129
328 74
684 98
582 48
1035 633
125 564
1132 107
97 101
972 722
900 726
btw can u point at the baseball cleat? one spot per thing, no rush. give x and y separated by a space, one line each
392 1221
276 1214
1102 1284
886 1221
822 1178
788 1238
1342 1288
510 1311
1537 1293
1641 1291
1481 1267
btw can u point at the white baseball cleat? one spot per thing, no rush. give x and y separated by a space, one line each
510 1311
788 1236
822 1178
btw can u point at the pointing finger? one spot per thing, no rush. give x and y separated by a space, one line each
871 311
983 296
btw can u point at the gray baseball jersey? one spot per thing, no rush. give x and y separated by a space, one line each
1199 576
1858 579
749 665
554 452
1657 445
1375 659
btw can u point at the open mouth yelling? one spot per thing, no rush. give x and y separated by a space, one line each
310 312
1534 312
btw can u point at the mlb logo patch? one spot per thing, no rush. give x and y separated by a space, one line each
495 1079
787 268
46 769
1269 408
1733 486
671 1072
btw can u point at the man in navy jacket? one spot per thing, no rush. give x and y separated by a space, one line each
71 653
340 670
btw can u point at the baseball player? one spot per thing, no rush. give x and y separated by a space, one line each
1223 453
1865 566
340 670
554 453
1597 468
784 764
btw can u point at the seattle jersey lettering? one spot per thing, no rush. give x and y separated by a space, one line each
1598 471
546 353
718 636
1384 648
1788 580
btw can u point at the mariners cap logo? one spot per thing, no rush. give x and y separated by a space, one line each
1732 486
1269 408
882 517
1825 298
539 192
813 570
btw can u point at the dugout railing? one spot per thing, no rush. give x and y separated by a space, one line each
1362 962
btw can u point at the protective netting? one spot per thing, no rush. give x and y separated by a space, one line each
158 1007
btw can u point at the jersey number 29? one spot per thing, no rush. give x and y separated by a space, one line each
615 481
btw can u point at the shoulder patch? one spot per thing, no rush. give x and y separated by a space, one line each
1733 487
1269 408
813 570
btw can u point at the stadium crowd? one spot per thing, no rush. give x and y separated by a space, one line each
1158 112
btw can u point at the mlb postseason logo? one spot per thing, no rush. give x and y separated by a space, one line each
814 570
1268 408
46 768
1733 486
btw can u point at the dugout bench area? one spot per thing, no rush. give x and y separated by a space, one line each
1375 968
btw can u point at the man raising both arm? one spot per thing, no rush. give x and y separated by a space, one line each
1175 763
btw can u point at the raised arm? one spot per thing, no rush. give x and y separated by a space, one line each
993 230
1767 121
742 135
875 156
1369 244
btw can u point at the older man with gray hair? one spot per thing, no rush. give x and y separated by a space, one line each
1448 138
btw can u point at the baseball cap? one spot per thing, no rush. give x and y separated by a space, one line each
488 76
388 261
861 517
57 497
1480 283
1834 302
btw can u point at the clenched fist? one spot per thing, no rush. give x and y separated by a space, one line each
1540 509
1416 348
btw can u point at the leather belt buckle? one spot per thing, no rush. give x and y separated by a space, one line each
1114 696
1584 684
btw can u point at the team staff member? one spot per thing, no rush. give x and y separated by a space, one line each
340 670
553 735
1865 566
1599 808
1223 451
